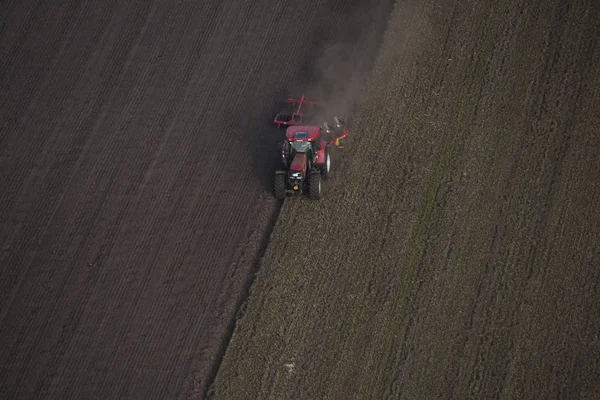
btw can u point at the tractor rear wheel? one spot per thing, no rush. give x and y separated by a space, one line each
314 185
326 167
279 186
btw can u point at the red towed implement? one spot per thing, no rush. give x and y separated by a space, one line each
292 114
305 155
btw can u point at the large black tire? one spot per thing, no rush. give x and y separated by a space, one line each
283 162
326 167
279 186
314 185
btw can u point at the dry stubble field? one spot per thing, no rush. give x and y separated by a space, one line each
457 254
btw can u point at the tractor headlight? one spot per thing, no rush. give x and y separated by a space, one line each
295 177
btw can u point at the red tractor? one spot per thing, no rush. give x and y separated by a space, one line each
305 153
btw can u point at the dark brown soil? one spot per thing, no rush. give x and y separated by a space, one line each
135 147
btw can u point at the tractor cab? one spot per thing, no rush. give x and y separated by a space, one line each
301 144
302 133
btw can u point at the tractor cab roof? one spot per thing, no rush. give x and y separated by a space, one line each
305 133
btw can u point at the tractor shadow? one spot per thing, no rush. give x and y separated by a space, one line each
262 138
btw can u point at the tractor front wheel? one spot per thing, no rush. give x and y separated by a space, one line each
314 185
279 186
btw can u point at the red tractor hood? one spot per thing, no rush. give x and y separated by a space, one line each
302 132
299 162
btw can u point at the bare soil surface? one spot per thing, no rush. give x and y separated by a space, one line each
135 152
458 253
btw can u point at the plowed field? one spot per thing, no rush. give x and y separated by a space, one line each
135 139
458 253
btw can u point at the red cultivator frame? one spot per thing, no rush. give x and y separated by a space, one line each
293 115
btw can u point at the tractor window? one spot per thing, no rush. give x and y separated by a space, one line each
300 147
